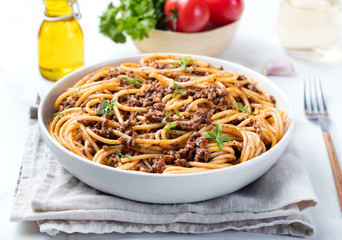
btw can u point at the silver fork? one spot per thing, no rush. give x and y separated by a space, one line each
316 109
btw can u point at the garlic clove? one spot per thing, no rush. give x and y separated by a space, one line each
278 67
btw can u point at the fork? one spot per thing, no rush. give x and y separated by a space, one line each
316 109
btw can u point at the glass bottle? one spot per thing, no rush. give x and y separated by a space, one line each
309 28
60 40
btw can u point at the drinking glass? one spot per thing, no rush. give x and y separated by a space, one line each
309 28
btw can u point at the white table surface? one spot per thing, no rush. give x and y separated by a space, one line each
255 42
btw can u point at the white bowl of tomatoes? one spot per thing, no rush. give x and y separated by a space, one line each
204 27
208 43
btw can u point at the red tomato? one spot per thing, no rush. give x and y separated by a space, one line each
223 12
190 15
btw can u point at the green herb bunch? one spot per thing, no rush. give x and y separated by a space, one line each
177 90
217 136
132 17
107 107
132 81
184 62
118 152
170 125
242 109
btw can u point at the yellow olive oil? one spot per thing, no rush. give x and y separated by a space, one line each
60 42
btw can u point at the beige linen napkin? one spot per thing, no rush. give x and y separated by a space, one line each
277 203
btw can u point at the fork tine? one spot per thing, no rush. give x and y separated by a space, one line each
317 89
311 97
305 97
325 110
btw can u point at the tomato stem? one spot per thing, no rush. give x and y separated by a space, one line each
173 17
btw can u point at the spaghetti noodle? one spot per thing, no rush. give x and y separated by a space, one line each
167 114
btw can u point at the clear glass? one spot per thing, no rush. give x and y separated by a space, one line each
60 43
309 28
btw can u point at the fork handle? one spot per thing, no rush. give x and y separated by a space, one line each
335 165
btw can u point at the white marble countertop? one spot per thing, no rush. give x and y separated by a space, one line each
255 42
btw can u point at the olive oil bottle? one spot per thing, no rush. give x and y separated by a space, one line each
60 40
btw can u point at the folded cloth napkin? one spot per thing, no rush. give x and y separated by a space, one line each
276 203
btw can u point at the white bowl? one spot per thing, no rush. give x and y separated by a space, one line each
158 188
209 43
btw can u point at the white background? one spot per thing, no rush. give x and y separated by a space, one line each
255 42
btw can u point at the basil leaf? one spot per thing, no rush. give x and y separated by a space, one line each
118 152
244 109
128 156
101 111
219 143
211 135
226 138
164 119
218 129
171 125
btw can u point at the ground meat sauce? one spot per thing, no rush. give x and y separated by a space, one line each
151 98
151 93
194 150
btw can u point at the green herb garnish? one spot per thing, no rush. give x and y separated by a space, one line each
171 125
76 92
184 62
217 136
110 160
57 113
169 128
132 81
107 108
118 152
132 17
164 119
179 91
242 109
177 114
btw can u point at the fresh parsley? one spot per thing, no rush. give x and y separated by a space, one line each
118 152
242 109
76 92
57 113
110 160
169 128
169 124
177 114
179 91
132 81
164 119
107 108
184 62
217 136
134 18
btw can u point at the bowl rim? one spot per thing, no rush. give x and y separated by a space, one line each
251 162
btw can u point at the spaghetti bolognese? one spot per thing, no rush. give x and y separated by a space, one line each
167 114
